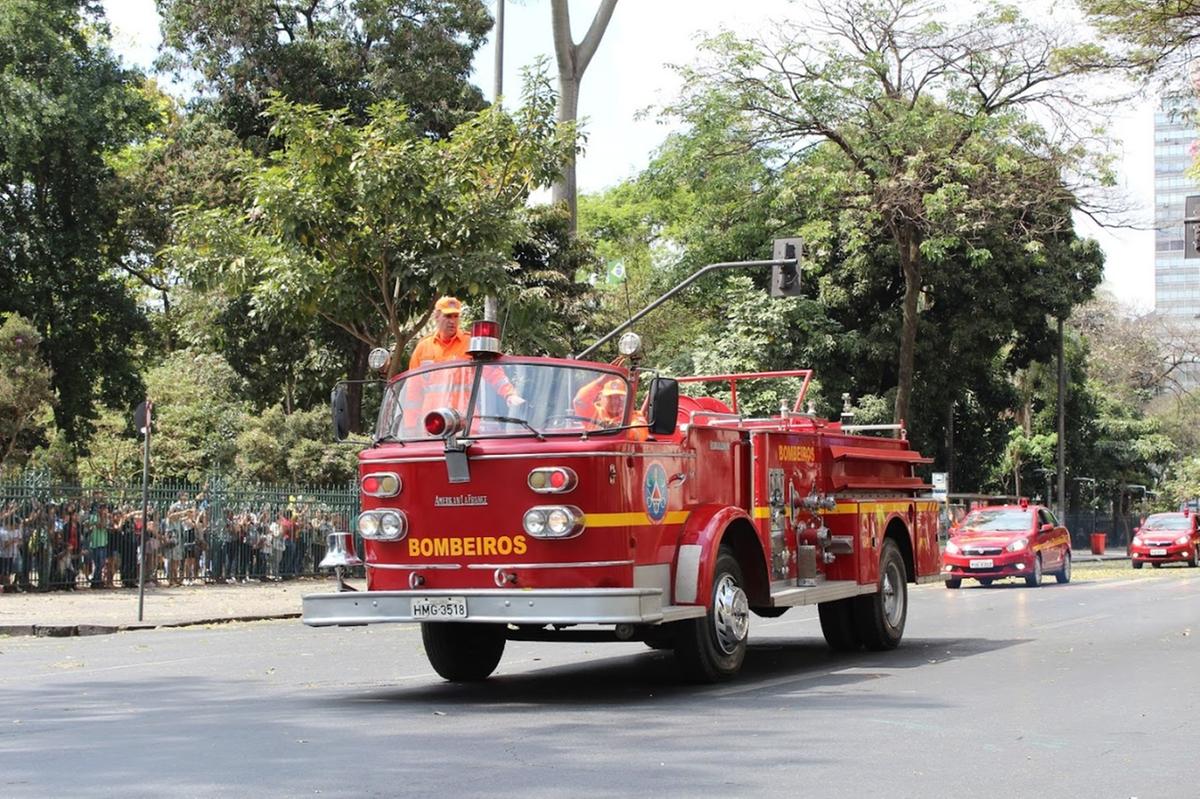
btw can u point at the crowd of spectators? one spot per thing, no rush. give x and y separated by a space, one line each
94 542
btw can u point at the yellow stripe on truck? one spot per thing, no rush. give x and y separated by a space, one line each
632 519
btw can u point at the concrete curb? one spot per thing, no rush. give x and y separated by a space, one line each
76 630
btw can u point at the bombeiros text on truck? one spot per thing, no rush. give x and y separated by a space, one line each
586 514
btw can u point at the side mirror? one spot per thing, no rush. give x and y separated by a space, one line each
664 406
1137 530
340 407
1047 528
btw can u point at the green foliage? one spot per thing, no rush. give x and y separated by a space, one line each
199 411
329 53
1151 35
365 225
547 309
66 103
25 391
276 447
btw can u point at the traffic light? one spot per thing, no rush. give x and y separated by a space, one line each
785 278
1191 227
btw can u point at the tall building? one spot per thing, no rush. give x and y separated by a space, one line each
1176 279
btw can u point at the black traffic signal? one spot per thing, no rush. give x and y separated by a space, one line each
1191 227
785 278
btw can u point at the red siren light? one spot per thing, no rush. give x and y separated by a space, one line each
485 338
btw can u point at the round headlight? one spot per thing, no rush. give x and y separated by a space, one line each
391 524
1018 545
378 358
368 525
534 521
629 343
559 521
1183 539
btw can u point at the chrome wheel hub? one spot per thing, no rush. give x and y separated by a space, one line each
893 594
731 614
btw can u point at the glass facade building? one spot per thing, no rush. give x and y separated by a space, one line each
1176 279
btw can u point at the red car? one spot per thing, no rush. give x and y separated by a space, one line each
999 541
1166 538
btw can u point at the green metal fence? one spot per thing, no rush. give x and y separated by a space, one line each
55 535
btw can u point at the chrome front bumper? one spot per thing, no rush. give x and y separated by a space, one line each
498 605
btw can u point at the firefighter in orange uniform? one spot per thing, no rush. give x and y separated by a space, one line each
603 402
449 343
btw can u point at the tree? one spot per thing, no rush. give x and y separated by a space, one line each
1159 37
333 54
279 447
928 132
25 381
199 411
67 106
364 226
573 60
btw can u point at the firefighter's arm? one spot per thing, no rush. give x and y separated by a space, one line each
500 382
585 398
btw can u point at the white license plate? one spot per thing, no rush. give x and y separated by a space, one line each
440 607
1158 553
982 563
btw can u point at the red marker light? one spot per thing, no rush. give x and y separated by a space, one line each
435 423
558 479
370 485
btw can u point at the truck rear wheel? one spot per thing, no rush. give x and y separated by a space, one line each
463 652
879 617
837 625
713 647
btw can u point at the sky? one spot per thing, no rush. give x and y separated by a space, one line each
629 75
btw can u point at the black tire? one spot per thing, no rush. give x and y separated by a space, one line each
954 583
712 647
1194 560
880 617
1035 579
659 638
985 581
1063 575
1156 565
837 625
1137 564
463 652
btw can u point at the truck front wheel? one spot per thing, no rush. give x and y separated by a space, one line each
880 617
713 647
463 652
837 625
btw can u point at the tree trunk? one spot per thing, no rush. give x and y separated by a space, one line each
910 265
572 62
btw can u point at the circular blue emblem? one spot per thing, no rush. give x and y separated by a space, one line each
654 491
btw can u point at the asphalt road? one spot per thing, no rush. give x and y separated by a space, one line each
1083 690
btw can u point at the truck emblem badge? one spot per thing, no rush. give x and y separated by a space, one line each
460 501
654 491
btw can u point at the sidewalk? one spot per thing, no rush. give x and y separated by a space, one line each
1110 553
96 612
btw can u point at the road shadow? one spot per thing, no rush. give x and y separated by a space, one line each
771 665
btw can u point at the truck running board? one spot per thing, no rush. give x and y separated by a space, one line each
822 592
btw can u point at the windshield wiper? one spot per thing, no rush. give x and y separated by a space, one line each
514 420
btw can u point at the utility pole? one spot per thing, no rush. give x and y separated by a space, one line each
491 306
1062 423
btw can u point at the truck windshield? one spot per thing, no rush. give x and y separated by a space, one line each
512 399
998 520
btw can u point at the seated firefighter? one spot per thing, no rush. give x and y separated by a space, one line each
602 401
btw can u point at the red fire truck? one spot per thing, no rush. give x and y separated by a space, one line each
486 523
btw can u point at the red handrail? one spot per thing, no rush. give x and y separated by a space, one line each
732 379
